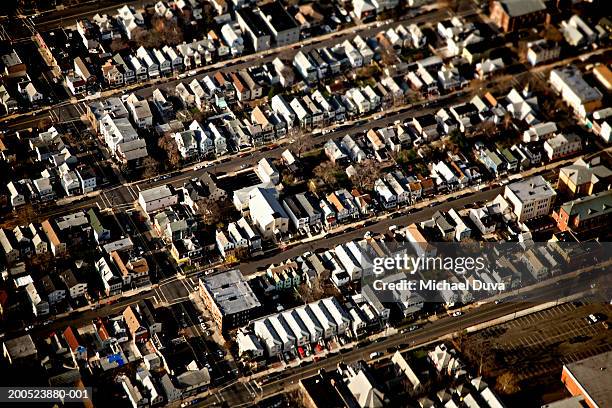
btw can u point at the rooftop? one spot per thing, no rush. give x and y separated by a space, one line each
531 188
590 373
231 292
277 16
516 8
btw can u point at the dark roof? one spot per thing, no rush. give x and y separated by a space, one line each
278 17
516 8
254 22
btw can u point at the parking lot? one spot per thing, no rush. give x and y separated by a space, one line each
535 347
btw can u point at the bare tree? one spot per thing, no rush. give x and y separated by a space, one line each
214 211
117 44
168 145
329 172
150 167
300 143
366 174
169 31
507 383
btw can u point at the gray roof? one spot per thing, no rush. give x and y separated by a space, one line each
20 347
590 373
231 292
516 8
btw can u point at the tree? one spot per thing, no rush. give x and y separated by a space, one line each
300 143
507 120
117 44
168 145
147 38
150 167
365 175
169 31
289 179
214 211
507 383
329 172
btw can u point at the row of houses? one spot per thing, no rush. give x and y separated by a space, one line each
293 328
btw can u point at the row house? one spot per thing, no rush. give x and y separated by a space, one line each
343 203
303 211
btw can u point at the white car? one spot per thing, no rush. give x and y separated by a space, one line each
457 313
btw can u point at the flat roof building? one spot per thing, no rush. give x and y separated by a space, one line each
588 378
230 299
530 198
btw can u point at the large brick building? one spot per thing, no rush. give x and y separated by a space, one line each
590 379
512 15
586 215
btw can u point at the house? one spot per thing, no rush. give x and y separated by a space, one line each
13 65
28 90
267 213
176 60
129 20
513 15
49 291
584 178
113 107
157 198
187 143
40 307
122 139
562 145
9 103
17 193
335 153
530 198
18 349
604 76
577 33
148 61
9 250
255 89
163 61
489 66
281 24
44 189
137 330
586 215
140 110
283 109
81 69
343 205
355 152
267 171
575 91
427 126
253 24
242 231
303 211
305 67
101 234
87 178
112 283
74 287
56 246
541 51
493 162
